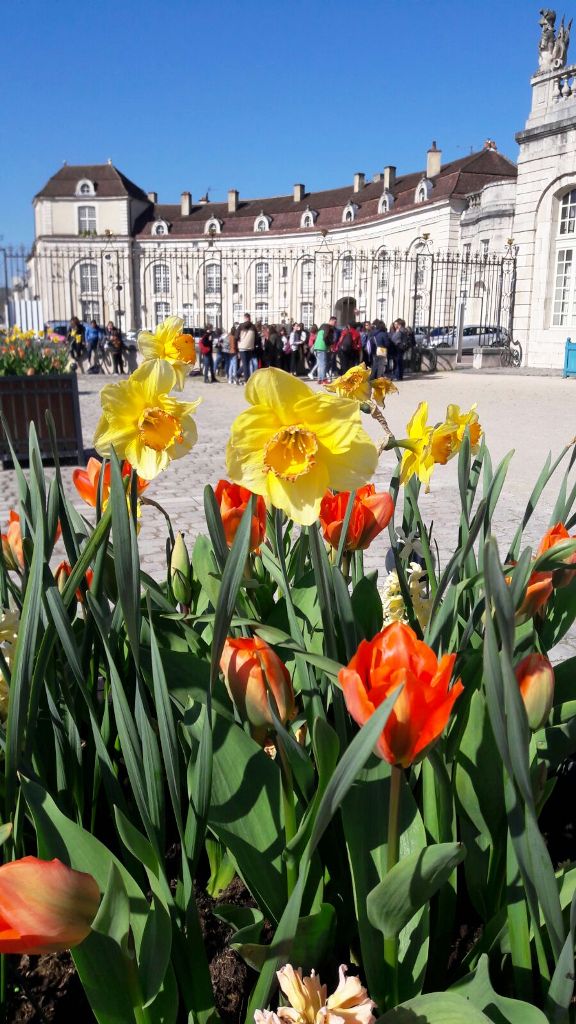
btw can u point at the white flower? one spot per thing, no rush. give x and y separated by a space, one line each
408 545
348 1004
393 604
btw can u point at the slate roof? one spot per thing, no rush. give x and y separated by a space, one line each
456 180
108 181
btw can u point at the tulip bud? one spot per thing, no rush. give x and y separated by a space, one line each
535 677
180 571
251 671
61 574
45 906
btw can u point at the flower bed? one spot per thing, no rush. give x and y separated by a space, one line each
368 765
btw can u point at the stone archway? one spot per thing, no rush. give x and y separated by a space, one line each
345 310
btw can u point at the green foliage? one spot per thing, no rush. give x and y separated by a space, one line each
123 755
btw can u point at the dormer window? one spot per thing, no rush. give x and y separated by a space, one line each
160 227
349 213
386 202
262 223
85 187
213 226
423 190
308 218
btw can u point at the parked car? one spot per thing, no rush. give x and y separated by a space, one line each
434 337
477 335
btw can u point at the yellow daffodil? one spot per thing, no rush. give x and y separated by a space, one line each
352 384
170 343
143 423
426 446
462 420
293 443
382 387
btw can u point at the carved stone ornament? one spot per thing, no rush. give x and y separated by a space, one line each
553 46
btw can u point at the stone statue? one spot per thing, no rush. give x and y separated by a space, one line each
553 47
560 51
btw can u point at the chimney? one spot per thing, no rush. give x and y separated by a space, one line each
185 204
232 200
389 177
358 181
378 176
153 197
433 161
299 193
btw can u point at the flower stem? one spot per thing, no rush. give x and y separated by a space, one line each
391 944
289 813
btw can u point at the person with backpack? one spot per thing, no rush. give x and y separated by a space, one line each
206 349
380 343
349 348
246 336
116 346
92 339
401 342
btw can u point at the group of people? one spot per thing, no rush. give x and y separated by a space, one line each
91 341
321 353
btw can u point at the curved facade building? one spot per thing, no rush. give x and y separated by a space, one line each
480 234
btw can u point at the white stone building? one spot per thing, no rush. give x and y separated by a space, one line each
480 230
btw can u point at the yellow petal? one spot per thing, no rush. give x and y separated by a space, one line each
277 390
301 498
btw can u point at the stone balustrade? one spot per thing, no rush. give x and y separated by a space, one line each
564 83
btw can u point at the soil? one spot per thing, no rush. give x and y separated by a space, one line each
46 989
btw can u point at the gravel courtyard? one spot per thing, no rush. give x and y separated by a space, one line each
530 414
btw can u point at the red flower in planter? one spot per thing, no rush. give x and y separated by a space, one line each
371 513
555 535
396 657
535 677
45 906
251 668
233 500
86 481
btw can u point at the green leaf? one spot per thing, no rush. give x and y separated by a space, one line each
366 835
435 1008
367 605
477 988
5 832
126 558
113 917
311 945
410 884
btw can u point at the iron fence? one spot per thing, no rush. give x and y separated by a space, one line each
137 285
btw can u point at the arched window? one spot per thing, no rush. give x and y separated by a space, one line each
85 188
568 213
213 226
160 227
161 279
212 278
86 220
88 278
262 276
347 269
308 218
307 276
382 271
349 213
564 308
262 223
423 191
386 202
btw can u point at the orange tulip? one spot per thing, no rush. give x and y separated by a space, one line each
233 499
45 907
12 542
251 668
555 535
86 481
63 571
394 657
371 513
535 677
538 592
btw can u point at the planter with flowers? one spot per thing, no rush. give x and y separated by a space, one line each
34 380
265 748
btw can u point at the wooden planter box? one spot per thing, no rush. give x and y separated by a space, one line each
26 399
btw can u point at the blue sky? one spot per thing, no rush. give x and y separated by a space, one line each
254 95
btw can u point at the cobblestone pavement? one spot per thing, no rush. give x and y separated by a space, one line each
532 414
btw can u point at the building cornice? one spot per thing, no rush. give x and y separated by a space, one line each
544 131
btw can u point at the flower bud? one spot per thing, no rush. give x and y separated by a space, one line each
233 501
45 906
535 677
251 670
180 571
